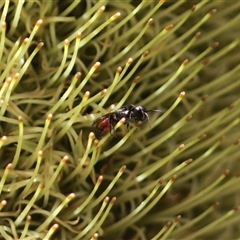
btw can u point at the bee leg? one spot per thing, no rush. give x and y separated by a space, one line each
127 125
112 125
113 132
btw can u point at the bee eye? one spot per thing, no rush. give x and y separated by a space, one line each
139 113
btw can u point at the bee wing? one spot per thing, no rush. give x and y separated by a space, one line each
95 122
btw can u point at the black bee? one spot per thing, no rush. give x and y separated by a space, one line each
107 122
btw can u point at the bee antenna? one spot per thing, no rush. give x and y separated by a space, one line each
154 110
149 122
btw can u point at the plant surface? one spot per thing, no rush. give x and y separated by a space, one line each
66 63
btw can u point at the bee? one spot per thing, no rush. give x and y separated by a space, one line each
106 123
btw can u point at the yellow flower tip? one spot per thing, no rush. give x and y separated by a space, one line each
40 153
222 138
91 136
79 35
106 199
145 54
119 70
185 62
41 185
216 204
202 136
198 35
65 158
236 142
100 179
116 15
77 75
113 200
181 147
103 92
16 76
25 41
91 117
4 25
49 117
231 106
29 218
9 166
52 230
160 181
71 196
55 227
95 236
20 119
236 208
95 142
215 45
188 161
40 45
182 95
169 27
162 1
66 42
173 178
96 65
122 120
178 218
39 23
3 203
3 139
213 11
168 224
193 8
188 118
112 107
204 98
101 9
86 95
136 79
226 172
8 80
206 61
123 168
129 61
150 21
